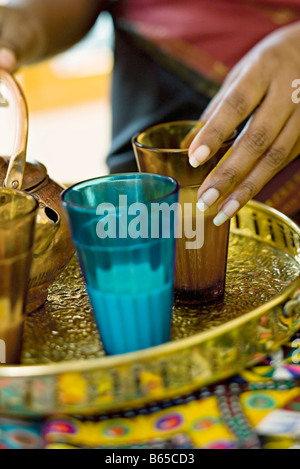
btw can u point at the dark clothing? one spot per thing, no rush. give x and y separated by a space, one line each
144 94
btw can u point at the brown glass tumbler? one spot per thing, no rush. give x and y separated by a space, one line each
200 274
18 212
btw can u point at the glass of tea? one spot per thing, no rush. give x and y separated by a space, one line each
202 248
17 226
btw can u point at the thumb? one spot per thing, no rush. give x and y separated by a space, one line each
8 59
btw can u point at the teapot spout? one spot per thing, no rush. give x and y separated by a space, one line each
48 223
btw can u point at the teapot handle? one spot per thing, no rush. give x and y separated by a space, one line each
16 168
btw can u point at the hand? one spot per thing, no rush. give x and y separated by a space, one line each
21 38
260 86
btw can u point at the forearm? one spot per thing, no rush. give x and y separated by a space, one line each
58 24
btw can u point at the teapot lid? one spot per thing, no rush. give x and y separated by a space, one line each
34 173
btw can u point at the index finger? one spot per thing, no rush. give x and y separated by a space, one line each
237 104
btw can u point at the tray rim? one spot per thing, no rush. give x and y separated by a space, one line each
106 362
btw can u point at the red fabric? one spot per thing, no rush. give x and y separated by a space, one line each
210 36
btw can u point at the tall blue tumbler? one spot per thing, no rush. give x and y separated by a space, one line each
124 230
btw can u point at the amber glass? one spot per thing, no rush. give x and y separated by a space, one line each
17 224
200 273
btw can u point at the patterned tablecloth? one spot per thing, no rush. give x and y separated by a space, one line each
259 409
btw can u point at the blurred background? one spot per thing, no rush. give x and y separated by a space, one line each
69 108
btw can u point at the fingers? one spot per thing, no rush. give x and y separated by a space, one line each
211 108
8 59
186 142
284 149
215 102
236 105
251 185
255 140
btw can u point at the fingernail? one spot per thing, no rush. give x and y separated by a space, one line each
193 162
7 59
227 212
200 155
201 206
208 199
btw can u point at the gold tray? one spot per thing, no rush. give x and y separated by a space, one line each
63 366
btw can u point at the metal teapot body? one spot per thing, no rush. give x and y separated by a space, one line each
53 246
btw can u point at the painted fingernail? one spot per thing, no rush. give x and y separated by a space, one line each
227 212
199 156
208 199
193 162
7 59
201 206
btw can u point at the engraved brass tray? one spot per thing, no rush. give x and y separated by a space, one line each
63 366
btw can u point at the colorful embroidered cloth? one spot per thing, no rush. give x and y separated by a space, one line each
258 409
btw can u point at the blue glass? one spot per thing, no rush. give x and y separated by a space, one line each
123 227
